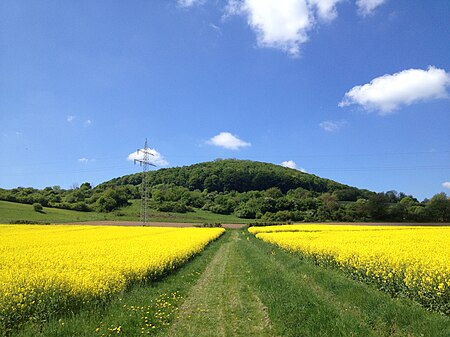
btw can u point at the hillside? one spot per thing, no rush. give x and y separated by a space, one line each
226 175
12 212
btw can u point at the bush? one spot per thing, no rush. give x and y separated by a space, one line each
28 222
81 206
38 207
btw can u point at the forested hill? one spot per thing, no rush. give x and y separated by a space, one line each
246 189
225 175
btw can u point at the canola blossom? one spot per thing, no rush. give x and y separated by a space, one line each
51 269
408 260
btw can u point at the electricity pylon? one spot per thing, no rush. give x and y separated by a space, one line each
145 163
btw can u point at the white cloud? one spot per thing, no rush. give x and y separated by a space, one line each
446 184
228 141
332 126
366 7
189 3
285 24
87 122
289 164
326 9
292 165
70 118
388 93
278 24
156 158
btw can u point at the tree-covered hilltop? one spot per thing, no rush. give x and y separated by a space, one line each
227 175
247 189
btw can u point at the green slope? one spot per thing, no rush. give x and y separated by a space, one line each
11 211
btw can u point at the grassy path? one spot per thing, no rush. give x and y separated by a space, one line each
251 288
223 302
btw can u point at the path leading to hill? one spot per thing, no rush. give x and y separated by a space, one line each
251 288
224 302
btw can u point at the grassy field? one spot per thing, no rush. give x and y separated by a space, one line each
242 286
10 211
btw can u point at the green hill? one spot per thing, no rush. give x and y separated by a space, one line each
234 190
238 175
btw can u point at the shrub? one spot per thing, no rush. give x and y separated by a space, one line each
38 207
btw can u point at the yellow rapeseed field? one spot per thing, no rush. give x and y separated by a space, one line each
51 269
413 261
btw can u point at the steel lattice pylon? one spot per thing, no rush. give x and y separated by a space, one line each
145 163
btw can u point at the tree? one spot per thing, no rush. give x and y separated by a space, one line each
439 207
377 206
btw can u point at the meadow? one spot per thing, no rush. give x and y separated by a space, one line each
13 212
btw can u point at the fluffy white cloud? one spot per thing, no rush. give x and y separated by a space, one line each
388 93
189 3
285 24
332 126
446 184
366 7
289 164
278 24
70 118
155 158
292 165
228 141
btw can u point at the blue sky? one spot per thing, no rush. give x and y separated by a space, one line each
355 91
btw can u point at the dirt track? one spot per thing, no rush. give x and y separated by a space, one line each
189 224
149 224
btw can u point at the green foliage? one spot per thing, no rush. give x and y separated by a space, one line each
38 207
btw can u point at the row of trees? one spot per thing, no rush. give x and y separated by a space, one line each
303 205
79 198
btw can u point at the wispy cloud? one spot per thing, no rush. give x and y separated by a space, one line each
189 3
228 141
86 160
70 118
388 93
332 126
155 158
366 7
292 165
87 122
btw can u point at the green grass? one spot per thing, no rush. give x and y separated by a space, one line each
10 211
242 286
